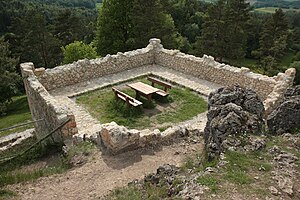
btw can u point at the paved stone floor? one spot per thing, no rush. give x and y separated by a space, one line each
11 140
88 125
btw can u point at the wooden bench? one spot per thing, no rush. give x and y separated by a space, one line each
166 86
128 99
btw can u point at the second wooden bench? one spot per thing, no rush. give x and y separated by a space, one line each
166 86
128 99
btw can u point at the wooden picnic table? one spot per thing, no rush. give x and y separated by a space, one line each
143 89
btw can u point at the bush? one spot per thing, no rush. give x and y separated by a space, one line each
78 50
9 79
296 65
297 56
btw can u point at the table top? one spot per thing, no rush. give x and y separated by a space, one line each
143 88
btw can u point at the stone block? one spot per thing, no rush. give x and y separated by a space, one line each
118 138
39 71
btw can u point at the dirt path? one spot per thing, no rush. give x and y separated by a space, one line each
104 173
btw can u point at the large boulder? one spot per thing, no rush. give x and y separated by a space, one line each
246 98
286 117
232 111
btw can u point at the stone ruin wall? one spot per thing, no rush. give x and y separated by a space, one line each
43 106
270 89
84 70
208 69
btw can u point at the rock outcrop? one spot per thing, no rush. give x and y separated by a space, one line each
286 117
232 111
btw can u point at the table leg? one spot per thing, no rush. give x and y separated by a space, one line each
137 94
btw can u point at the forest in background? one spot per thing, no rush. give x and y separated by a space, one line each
52 32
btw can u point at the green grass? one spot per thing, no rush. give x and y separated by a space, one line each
246 161
238 177
132 193
17 113
272 9
242 62
147 192
241 164
103 106
17 177
4 194
208 181
12 172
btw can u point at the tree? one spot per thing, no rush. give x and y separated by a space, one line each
34 41
129 24
9 79
148 21
78 50
67 27
273 42
211 41
273 37
113 26
296 65
223 34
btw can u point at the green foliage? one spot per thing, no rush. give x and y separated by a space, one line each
37 29
296 65
223 33
273 42
39 46
113 26
78 50
150 21
297 56
126 25
9 79
70 26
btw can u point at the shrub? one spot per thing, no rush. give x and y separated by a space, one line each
78 50
296 65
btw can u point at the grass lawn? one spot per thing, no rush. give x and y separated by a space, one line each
272 9
181 105
17 113
287 59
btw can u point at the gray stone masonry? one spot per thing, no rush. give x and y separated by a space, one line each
49 91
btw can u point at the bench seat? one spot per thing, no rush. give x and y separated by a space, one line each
162 93
166 86
128 99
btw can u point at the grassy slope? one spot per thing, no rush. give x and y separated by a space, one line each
18 112
246 175
272 9
252 64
